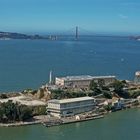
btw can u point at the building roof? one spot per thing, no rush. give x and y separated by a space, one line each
71 100
84 77
103 77
76 78
137 73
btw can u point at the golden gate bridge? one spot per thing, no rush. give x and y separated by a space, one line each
75 33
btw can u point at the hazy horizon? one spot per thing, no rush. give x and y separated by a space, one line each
73 33
49 16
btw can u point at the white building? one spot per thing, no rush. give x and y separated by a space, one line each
137 77
83 81
119 104
70 107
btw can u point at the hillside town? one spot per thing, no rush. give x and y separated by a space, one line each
69 99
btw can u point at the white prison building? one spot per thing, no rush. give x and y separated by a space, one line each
83 81
70 107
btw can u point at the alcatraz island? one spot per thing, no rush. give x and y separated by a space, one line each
69 99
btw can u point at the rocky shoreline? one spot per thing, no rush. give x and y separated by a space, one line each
19 124
46 121
36 120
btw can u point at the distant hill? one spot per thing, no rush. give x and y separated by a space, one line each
9 35
135 37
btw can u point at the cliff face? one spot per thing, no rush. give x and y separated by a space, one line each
43 93
8 35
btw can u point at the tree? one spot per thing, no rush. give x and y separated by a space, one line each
3 96
25 113
118 86
107 94
101 82
108 107
10 112
39 110
93 85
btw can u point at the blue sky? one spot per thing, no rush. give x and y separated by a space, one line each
101 16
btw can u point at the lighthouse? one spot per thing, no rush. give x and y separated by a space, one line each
50 78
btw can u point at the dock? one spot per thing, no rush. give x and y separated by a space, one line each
70 121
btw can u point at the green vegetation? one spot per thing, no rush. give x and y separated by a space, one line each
100 88
107 94
96 89
101 82
31 91
11 112
41 94
93 85
3 96
61 94
38 110
118 86
134 93
108 107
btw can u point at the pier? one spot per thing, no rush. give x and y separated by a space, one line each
70 120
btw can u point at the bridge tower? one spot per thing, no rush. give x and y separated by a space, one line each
77 34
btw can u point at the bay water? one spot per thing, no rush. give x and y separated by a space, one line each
123 125
26 64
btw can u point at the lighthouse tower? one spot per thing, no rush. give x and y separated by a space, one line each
50 78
